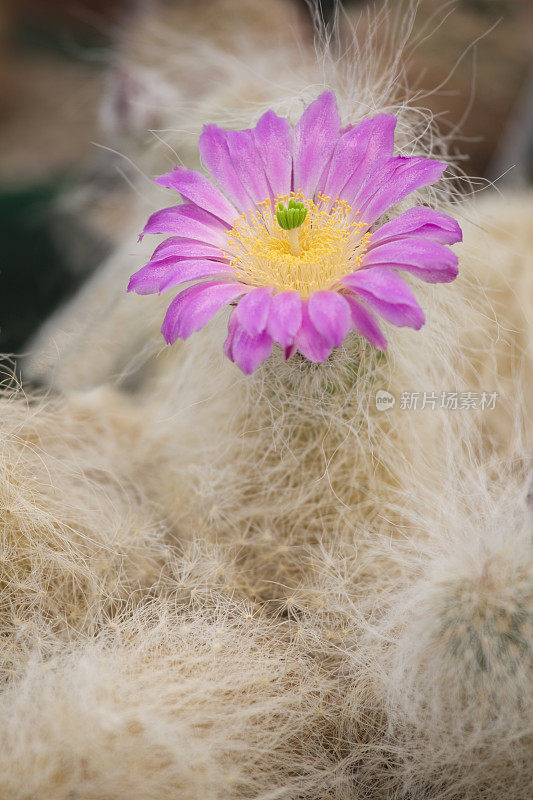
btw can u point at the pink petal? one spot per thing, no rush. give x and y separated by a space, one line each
419 221
248 165
272 137
195 187
357 153
187 221
249 351
330 314
315 137
391 182
430 261
310 342
193 308
228 343
364 323
386 292
252 311
290 351
216 157
160 275
179 247
285 317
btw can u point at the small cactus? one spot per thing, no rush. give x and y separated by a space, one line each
488 631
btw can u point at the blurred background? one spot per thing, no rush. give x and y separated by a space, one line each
60 71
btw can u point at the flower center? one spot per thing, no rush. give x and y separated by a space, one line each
270 248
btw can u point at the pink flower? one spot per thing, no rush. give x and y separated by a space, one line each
290 238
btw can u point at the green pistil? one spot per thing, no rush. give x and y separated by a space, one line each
292 216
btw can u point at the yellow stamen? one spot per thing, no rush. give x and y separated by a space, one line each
311 257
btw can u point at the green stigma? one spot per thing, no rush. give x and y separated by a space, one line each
292 216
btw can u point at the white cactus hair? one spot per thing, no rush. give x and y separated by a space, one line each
457 683
218 586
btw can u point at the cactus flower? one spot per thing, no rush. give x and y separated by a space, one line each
291 238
